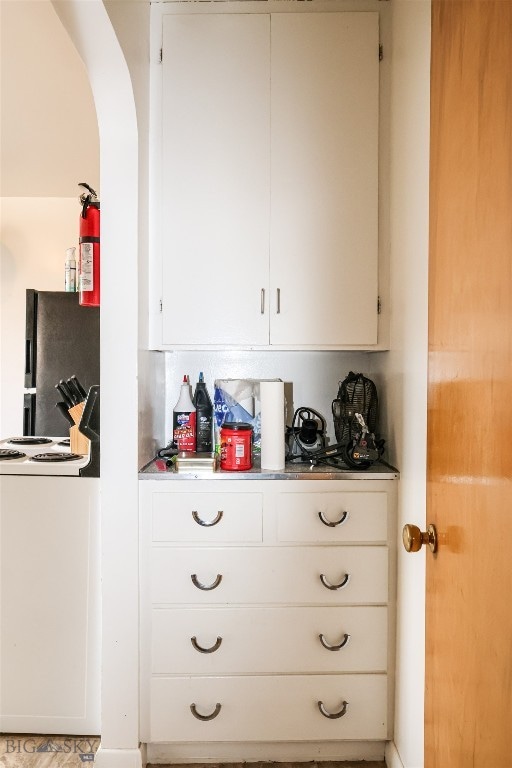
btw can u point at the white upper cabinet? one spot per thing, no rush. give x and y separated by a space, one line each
324 172
268 231
216 178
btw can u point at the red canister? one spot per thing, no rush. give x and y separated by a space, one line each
235 446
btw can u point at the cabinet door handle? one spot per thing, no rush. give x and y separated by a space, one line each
199 585
333 715
207 523
262 301
199 648
205 717
327 522
343 583
278 301
346 639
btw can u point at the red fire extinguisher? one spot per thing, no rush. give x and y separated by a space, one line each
89 248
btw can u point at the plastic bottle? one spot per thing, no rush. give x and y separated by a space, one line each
204 417
184 420
70 271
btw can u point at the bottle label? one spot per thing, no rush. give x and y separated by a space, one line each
86 266
70 278
184 430
235 452
204 432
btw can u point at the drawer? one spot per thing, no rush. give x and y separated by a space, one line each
206 518
272 708
269 575
224 641
332 517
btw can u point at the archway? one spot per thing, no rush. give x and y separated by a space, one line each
92 32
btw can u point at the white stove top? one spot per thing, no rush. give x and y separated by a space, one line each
39 456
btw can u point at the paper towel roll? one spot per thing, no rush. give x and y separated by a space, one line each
272 424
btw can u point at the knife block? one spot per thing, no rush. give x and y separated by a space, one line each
78 442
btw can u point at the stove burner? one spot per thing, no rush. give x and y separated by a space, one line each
56 457
29 440
8 453
66 441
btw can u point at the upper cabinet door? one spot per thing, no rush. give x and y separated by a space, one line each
324 171
269 221
216 179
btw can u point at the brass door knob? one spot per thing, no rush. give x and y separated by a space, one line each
414 539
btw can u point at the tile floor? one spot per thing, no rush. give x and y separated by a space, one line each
33 751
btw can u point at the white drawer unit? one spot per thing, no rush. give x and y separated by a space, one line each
331 575
267 615
332 517
289 640
269 708
206 518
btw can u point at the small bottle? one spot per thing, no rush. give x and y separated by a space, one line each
70 271
204 417
184 420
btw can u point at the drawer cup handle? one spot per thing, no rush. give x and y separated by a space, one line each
344 642
200 648
330 524
206 587
343 583
333 715
204 718
207 523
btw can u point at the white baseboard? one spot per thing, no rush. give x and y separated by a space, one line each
392 757
280 752
118 758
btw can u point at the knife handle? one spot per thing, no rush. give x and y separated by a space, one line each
71 395
64 410
78 386
77 395
64 391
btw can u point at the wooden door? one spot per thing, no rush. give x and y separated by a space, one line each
468 709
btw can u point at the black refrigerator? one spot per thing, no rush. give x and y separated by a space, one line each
62 340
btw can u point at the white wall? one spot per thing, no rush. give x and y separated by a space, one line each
404 367
34 235
131 24
49 130
312 377
91 30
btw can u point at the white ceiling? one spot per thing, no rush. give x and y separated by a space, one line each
49 134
